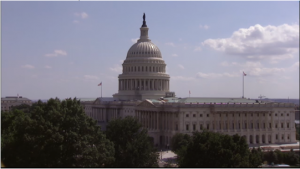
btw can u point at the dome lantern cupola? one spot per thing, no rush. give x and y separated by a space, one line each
144 31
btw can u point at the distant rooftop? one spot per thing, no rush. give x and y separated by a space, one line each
204 100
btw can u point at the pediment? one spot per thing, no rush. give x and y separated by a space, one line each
97 101
146 103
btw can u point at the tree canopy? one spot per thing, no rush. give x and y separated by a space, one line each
132 145
53 134
179 140
209 149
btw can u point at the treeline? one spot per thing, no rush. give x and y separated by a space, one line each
59 134
208 149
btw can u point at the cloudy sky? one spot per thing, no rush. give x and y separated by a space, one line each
64 49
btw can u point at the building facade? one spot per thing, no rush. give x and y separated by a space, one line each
144 93
8 102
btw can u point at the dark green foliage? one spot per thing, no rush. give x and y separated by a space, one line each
132 145
278 157
255 157
209 149
271 157
178 141
23 107
53 134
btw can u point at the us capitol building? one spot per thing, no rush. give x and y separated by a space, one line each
144 92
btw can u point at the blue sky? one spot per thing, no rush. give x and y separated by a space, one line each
64 49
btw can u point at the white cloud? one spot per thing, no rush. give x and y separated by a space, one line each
174 55
182 78
134 40
170 44
57 53
198 48
28 66
91 77
204 26
180 66
48 67
274 43
116 68
75 21
83 15
216 75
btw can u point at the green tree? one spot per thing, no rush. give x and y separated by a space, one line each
271 157
255 157
209 149
54 134
132 145
179 140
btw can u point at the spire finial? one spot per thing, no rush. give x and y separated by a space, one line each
144 20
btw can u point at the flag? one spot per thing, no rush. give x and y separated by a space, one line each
189 92
100 84
18 95
244 74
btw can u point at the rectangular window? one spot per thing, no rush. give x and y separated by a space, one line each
275 125
187 127
187 115
251 115
288 137
264 114
213 126
176 127
288 125
270 125
281 125
245 125
269 114
232 115
281 114
207 115
276 136
194 127
257 125
282 137
239 125
201 127
264 125
207 126
251 125
226 115
257 115
194 115
239 115
287 114
226 126
275 114
200 115
245 115
220 114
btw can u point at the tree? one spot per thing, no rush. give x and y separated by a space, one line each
209 149
54 134
255 157
132 145
179 140
271 157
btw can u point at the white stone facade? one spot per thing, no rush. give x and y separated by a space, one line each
8 102
144 81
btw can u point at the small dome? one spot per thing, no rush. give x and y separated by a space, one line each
144 49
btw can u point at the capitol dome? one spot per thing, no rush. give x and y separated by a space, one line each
144 49
144 71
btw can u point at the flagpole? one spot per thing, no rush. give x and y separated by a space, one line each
101 89
243 84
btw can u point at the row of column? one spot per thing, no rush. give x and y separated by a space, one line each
144 69
144 84
101 114
153 120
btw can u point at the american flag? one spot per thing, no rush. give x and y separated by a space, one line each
100 84
244 74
